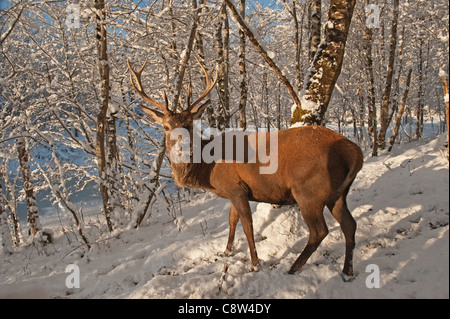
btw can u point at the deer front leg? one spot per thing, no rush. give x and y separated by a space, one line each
240 203
233 218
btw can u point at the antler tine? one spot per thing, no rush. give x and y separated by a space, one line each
209 87
138 86
189 96
166 100
208 76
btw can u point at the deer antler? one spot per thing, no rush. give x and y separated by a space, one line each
139 89
209 87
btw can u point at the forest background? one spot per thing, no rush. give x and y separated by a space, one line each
71 128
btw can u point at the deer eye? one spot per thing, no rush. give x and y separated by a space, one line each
166 128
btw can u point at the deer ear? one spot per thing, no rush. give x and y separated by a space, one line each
198 111
155 116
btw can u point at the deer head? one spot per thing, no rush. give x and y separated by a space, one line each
171 120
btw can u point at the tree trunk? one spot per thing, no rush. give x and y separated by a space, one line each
103 67
265 101
186 57
400 112
201 53
173 44
34 224
314 28
444 84
113 175
5 232
226 74
327 64
420 93
242 73
384 116
298 40
157 163
222 46
11 205
372 110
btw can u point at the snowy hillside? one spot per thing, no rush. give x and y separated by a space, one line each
400 202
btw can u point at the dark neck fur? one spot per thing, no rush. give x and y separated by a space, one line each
194 175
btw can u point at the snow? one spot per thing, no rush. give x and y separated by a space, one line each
399 200
329 25
307 102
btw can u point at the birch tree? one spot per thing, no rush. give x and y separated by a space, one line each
5 232
106 150
326 66
400 112
315 26
222 46
242 72
386 100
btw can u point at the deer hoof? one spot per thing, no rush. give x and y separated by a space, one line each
226 253
348 277
255 268
294 270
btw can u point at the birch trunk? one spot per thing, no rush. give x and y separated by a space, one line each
11 204
372 120
222 46
5 232
185 60
326 67
420 94
201 53
34 224
444 84
242 73
103 67
314 28
400 112
384 115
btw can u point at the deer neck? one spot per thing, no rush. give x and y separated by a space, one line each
192 174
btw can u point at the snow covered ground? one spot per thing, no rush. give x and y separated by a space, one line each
399 200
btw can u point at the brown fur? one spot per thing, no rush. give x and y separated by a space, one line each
316 167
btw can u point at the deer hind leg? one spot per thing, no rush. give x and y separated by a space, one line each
233 218
348 225
312 213
240 203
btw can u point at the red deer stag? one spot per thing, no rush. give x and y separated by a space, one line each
316 167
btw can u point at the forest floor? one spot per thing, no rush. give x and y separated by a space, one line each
400 201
